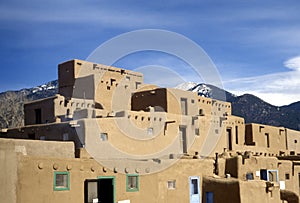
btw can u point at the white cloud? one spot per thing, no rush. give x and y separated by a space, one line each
293 63
107 15
278 89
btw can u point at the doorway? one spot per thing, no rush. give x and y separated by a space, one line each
194 189
229 138
100 190
183 140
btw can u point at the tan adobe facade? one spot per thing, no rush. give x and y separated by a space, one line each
108 137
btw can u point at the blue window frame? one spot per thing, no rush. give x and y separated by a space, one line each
269 175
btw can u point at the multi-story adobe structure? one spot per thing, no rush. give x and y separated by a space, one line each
108 137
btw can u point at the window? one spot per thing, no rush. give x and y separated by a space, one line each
103 137
132 183
287 176
249 176
201 112
269 175
197 132
183 104
194 184
150 131
171 184
61 181
272 176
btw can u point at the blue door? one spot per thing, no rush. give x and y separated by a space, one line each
209 197
194 189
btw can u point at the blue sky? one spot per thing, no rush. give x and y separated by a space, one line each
255 45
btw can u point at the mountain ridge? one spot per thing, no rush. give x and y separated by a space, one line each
253 109
248 106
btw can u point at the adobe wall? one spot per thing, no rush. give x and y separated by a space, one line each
36 173
157 98
169 99
217 186
238 166
149 133
293 141
9 172
268 140
46 107
54 132
11 153
55 109
39 148
67 72
258 192
105 84
237 191
285 173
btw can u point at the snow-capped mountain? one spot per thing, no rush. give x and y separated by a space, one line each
186 85
206 90
252 108
201 89
11 105
48 86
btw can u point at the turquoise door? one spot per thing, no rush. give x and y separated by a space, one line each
194 189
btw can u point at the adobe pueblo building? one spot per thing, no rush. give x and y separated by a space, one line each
108 137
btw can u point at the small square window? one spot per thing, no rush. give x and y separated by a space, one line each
132 183
249 176
150 131
287 176
295 141
103 137
171 184
61 181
